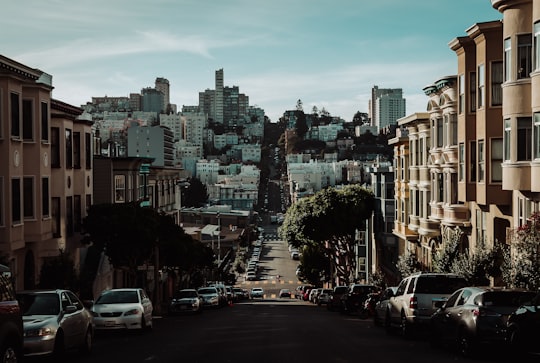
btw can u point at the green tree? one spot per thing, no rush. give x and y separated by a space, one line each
408 264
59 273
195 195
301 124
315 265
521 264
126 232
330 219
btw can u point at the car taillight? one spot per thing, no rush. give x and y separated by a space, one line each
413 302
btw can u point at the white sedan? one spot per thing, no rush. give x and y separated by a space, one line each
122 309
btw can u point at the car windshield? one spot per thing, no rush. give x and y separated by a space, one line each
118 297
509 298
39 304
208 291
439 284
186 294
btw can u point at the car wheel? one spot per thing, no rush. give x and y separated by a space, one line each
388 323
10 352
144 325
465 344
86 346
404 326
59 345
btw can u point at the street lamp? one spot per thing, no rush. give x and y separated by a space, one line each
181 183
219 238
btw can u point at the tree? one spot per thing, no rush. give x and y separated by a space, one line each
195 195
521 264
329 220
125 232
315 265
301 124
59 273
407 265
299 106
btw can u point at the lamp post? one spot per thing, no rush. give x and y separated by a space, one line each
219 238
181 183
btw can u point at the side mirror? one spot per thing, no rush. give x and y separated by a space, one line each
70 309
440 304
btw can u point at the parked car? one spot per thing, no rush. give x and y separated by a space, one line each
240 293
257 292
324 297
284 293
128 308
352 301
186 301
415 300
475 315
54 321
382 304
313 293
11 322
209 296
335 300
522 327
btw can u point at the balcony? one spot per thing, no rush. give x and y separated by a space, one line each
450 154
517 176
414 223
437 211
456 215
429 228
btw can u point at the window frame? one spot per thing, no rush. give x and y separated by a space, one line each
524 138
15 115
481 91
44 121
29 197
524 55
28 119
496 149
461 92
507 46
461 161
45 197
481 178
497 79
16 202
507 139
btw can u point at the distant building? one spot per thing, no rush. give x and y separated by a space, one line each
386 106
151 142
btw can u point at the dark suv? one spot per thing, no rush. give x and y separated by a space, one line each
354 298
11 325
335 299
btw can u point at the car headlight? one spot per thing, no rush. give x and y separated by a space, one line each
132 312
42 332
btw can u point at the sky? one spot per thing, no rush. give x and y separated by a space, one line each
326 53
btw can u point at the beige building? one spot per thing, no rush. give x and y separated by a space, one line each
45 172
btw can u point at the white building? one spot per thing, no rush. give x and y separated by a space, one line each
207 171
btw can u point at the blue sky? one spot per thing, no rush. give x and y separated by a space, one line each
327 53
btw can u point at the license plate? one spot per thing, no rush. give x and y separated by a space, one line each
109 323
183 307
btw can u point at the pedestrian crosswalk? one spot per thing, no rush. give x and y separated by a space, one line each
272 282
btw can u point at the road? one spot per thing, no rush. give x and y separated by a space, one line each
267 330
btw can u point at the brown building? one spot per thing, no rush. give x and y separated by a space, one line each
45 172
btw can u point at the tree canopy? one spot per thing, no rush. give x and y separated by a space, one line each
330 219
195 195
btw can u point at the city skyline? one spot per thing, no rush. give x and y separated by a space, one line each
326 55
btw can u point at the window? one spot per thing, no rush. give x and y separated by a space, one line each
524 56
69 149
453 192
480 227
77 213
77 150
16 201
2 201
461 170
55 147
28 197
28 120
481 86
69 216
496 83
524 138
120 188
472 90
88 150
536 135
451 128
421 152
88 201
507 59
481 161
45 205
44 121
461 100
472 162
496 160
15 116
56 217
437 132
524 210
507 138
537 46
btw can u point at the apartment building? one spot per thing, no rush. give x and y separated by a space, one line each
45 172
